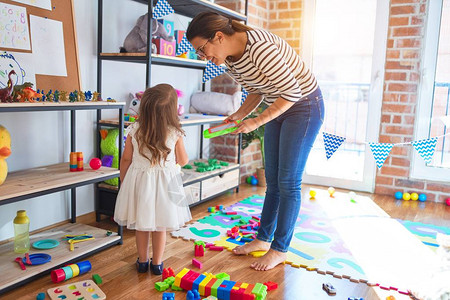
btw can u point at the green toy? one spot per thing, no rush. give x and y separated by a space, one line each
220 129
108 146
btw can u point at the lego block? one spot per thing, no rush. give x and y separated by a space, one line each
164 47
271 285
197 263
199 250
231 212
167 272
97 279
209 286
223 275
168 25
161 286
179 276
216 248
197 282
168 296
192 295
202 285
215 286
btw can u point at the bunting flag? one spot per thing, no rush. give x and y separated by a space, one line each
184 46
212 71
162 9
332 142
244 95
380 152
425 148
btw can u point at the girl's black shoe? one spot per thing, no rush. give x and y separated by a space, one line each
156 269
142 267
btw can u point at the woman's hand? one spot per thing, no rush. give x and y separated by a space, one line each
237 116
247 126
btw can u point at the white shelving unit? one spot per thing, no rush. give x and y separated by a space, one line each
30 183
202 186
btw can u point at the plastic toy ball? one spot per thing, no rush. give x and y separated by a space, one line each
312 193
422 197
414 196
406 196
331 191
447 201
95 163
398 195
254 181
249 179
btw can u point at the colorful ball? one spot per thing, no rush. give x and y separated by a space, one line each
249 179
447 201
331 191
95 163
312 193
352 195
414 196
398 195
422 197
254 181
406 196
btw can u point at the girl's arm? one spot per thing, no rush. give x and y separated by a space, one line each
181 156
249 105
127 158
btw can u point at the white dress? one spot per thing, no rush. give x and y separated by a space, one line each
152 198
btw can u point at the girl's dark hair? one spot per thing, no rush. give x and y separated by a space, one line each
157 114
206 24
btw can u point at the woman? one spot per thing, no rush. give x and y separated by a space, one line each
270 70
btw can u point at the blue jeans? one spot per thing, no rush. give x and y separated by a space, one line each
288 140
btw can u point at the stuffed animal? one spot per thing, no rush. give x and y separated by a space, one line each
134 101
5 151
136 40
109 146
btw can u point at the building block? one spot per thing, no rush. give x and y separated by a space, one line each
202 285
224 290
271 285
97 279
256 218
40 296
215 286
216 248
260 290
168 296
196 284
179 276
197 263
179 35
245 240
192 295
231 212
223 275
164 47
209 286
161 286
199 250
167 272
168 25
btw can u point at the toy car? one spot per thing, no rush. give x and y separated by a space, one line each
327 287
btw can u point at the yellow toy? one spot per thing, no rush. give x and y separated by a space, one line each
407 196
312 193
5 151
414 196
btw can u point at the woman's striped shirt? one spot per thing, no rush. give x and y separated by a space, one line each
270 67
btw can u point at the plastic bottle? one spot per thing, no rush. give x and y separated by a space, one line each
21 232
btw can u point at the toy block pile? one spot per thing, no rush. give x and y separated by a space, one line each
219 286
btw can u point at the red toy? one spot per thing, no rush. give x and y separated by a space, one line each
447 201
95 163
271 285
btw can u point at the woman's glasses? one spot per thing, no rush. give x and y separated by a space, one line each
200 51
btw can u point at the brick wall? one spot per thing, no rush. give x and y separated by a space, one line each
402 79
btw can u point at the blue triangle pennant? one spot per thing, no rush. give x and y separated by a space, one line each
162 9
332 142
184 46
380 152
212 71
244 95
425 148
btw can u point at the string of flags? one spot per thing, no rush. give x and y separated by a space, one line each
162 9
212 71
380 151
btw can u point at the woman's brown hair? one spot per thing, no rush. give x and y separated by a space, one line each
206 24
157 114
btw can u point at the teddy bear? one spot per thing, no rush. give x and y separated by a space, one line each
136 40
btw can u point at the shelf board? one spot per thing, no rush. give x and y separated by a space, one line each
13 275
156 60
54 106
44 180
191 8
190 176
185 120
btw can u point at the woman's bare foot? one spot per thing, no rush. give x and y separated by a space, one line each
270 260
255 245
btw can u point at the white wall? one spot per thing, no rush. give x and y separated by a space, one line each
43 138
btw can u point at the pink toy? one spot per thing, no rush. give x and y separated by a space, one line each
447 201
180 109
95 163
164 47
216 248
197 263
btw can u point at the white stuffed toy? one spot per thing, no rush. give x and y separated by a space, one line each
133 102
215 103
